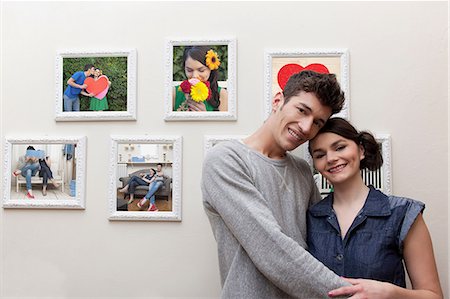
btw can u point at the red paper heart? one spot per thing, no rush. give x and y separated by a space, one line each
291 68
98 86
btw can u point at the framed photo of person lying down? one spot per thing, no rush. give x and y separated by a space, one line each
145 181
44 172
279 65
200 79
95 85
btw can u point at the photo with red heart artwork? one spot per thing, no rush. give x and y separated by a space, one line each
281 65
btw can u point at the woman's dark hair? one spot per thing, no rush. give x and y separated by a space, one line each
372 152
154 171
199 53
30 147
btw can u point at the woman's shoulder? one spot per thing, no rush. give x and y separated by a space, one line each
400 201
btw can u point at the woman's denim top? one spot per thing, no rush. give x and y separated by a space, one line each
373 245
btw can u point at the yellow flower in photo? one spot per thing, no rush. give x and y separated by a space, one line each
212 60
199 92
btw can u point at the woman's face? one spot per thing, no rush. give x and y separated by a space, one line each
336 157
195 69
97 73
152 172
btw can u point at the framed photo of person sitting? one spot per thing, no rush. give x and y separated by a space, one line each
145 182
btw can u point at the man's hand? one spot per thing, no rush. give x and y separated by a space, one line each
363 289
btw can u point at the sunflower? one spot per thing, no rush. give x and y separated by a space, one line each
199 92
212 60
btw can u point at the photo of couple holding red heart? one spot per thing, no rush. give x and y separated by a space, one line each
89 89
97 87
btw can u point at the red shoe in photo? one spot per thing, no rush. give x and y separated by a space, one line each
152 208
30 196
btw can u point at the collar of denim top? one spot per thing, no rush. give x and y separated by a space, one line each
377 204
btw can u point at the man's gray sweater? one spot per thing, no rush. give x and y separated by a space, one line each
257 209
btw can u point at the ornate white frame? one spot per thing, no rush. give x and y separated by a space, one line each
231 114
343 54
386 151
175 214
78 202
130 114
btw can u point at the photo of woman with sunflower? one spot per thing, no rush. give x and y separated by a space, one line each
200 90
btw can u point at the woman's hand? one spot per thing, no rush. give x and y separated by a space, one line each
195 106
363 289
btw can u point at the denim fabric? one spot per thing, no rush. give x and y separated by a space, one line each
154 186
28 171
134 182
373 245
45 172
71 104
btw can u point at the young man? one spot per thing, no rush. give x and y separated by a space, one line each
256 196
75 86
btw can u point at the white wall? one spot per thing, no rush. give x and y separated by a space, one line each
398 85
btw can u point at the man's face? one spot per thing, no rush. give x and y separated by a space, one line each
298 120
91 71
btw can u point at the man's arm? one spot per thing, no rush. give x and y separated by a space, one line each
228 190
72 83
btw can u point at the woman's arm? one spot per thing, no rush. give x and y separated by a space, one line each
174 92
149 181
48 161
421 267
223 100
420 263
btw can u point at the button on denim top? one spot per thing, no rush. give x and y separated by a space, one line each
373 245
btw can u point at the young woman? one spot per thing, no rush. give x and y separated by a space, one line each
141 180
359 232
95 103
152 189
201 62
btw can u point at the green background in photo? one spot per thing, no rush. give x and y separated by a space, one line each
115 68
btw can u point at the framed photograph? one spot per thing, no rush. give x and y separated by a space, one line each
381 178
280 65
95 85
200 81
145 178
44 172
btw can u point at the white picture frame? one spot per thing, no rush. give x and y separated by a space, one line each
336 60
174 159
229 84
72 193
131 63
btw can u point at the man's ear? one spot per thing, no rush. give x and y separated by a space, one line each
277 101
